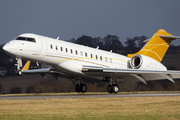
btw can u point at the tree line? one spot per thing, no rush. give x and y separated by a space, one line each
112 42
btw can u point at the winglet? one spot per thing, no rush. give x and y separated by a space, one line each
26 66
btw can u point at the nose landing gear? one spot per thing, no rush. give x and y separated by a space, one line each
18 66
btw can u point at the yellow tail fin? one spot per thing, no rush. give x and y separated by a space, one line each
26 66
157 46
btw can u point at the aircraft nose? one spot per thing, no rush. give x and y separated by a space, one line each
5 48
8 48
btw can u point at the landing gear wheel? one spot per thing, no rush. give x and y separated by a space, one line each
83 88
78 88
109 89
19 72
113 89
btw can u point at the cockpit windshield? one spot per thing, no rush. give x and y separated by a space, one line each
26 39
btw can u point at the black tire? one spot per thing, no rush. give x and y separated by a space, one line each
78 88
115 88
109 89
18 72
83 88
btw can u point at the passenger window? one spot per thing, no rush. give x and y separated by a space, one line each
71 51
96 57
76 52
66 50
56 48
51 46
81 53
91 56
110 60
61 49
86 54
100 57
106 59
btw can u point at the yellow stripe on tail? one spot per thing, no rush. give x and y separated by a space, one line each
26 66
157 46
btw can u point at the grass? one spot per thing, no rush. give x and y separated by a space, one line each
87 93
130 108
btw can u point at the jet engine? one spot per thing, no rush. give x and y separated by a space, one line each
146 63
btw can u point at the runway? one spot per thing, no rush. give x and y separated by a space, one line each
87 96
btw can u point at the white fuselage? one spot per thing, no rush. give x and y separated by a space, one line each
66 57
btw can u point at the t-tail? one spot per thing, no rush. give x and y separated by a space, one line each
157 46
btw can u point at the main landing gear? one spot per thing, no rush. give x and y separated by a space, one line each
113 88
81 88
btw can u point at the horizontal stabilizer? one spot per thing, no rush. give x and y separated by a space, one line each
171 37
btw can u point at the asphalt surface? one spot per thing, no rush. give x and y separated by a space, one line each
87 96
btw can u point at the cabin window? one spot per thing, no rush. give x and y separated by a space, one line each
86 54
91 56
51 46
71 51
66 50
100 57
76 52
110 60
56 47
96 57
106 59
81 53
61 48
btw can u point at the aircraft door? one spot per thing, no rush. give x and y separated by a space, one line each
43 48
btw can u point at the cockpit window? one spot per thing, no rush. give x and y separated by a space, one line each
31 39
21 38
26 39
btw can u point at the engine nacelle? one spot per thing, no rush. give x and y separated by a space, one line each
146 63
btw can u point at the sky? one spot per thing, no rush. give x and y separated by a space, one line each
96 18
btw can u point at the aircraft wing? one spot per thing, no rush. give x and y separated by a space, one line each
135 75
42 70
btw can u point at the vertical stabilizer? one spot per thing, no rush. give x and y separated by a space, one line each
157 46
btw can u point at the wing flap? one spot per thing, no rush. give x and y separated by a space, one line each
146 75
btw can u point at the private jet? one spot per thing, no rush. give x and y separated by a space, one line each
82 62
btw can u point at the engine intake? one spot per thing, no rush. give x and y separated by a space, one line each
136 61
146 63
